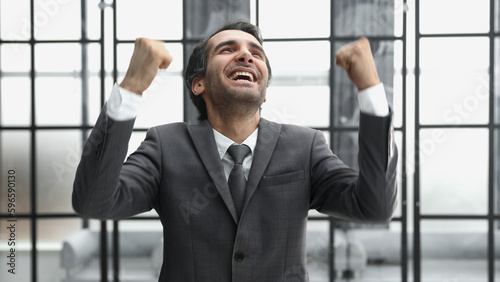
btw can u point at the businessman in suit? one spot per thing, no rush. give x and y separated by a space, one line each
234 214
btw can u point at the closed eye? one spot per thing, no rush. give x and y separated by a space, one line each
258 55
225 50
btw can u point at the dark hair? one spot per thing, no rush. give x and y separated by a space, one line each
197 64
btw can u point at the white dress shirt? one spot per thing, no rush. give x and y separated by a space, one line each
123 105
223 143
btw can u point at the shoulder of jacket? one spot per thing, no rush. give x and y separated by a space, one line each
172 126
291 129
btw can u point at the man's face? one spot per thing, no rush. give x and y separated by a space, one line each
236 71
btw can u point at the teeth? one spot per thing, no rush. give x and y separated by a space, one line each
242 75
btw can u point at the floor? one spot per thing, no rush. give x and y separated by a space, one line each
432 271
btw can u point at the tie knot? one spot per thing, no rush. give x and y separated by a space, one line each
238 152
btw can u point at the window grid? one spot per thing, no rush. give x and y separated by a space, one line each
34 215
331 128
491 126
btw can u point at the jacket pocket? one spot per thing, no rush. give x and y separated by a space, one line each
277 179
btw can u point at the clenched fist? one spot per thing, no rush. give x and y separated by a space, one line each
149 56
357 59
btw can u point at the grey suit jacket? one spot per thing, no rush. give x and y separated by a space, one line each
177 171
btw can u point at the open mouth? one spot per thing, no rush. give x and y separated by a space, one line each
242 76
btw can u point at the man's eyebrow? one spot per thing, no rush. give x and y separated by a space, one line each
232 42
224 43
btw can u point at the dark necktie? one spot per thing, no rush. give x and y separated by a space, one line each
236 178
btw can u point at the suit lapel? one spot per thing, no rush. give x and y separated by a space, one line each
266 141
202 136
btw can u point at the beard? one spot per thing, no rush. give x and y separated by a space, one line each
236 101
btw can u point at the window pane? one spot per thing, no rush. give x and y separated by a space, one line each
15 58
125 51
397 87
360 252
23 239
346 106
23 252
454 88
94 100
204 17
454 98
449 183
497 80
15 101
383 251
345 103
283 59
141 249
297 19
317 243
57 154
364 18
57 19
294 104
398 138
149 18
51 234
163 102
58 101
497 15
135 141
454 16
124 54
454 250
447 54
58 57
345 146
94 58
15 161
497 248
496 169
93 19
15 20
298 87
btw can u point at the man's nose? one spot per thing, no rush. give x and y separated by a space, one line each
245 56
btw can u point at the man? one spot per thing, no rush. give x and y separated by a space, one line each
253 231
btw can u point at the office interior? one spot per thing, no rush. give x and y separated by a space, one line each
439 61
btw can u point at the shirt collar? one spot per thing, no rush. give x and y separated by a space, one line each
223 143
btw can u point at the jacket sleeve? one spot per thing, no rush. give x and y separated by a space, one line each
367 195
107 188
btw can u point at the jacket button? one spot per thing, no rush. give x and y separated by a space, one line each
239 256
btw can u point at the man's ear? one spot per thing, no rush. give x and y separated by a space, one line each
198 85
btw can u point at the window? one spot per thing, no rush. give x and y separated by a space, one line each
438 60
455 100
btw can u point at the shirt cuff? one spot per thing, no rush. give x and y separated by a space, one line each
122 104
373 101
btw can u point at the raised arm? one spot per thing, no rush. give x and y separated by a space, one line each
104 187
370 194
